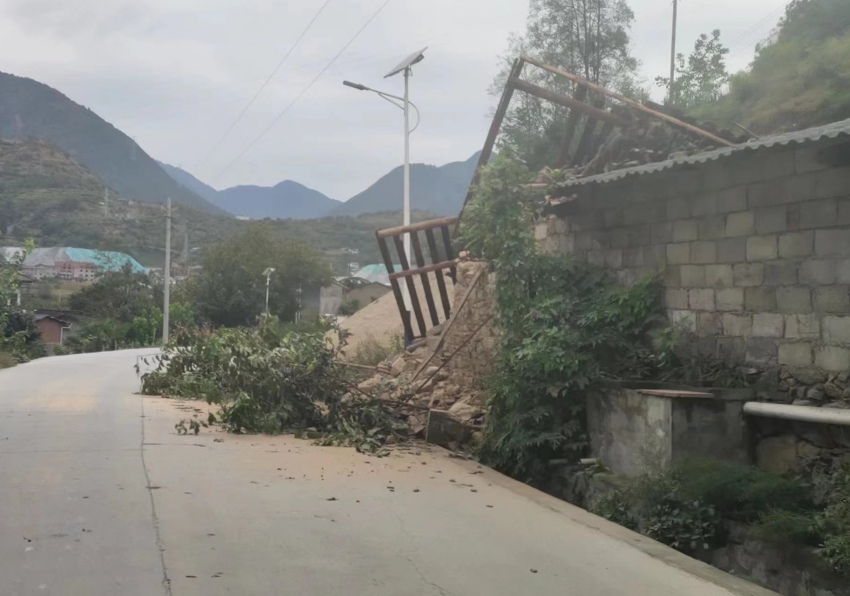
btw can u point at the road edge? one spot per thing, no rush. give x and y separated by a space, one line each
656 550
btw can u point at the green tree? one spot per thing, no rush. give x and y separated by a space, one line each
800 76
702 78
230 290
121 295
587 37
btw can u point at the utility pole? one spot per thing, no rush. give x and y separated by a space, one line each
186 246
166 292
673 51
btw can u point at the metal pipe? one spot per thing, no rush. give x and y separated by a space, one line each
798 413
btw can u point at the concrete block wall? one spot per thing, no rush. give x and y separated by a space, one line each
753 249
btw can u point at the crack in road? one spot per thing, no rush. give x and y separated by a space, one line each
166 582
410 560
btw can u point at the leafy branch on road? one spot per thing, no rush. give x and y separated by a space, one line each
269 379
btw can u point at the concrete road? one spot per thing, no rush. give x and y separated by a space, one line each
100 497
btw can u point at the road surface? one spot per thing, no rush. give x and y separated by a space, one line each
101 497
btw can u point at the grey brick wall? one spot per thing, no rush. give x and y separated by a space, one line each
754 251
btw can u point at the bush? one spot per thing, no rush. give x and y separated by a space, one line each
271 380
685 506
834 522
782 527
740 492
7 360
564 327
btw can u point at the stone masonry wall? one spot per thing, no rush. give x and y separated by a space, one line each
754 250
473 363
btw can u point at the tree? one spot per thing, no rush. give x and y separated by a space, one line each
230 290
702 79
121 295
799 77
587 37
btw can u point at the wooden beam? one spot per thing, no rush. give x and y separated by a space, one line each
441 283
411 287
625 100
495 128
426 283
450 254
417 227
399 300
569 102
570 130
408 273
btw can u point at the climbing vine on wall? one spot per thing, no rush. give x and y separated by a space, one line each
565 326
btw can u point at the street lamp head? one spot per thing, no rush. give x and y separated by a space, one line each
268 271
357 86
414 58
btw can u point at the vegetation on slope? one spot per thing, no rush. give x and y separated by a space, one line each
800 76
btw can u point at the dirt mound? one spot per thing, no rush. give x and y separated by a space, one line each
381 319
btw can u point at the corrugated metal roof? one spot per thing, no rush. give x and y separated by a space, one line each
819 133
107 260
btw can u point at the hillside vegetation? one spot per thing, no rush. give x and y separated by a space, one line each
800 76
32 110
49 197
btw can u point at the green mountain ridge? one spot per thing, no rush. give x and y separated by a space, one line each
33 110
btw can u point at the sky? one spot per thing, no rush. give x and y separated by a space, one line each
176 74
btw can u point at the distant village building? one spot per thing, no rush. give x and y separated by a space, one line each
79 264
349 290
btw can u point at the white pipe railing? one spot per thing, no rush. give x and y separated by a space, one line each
798 413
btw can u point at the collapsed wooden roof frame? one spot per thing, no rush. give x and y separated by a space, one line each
598 117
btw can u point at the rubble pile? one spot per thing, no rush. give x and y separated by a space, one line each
437 407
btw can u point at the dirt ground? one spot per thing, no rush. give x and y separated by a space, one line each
381 319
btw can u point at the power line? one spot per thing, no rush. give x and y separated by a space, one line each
265 83
303 91
753 29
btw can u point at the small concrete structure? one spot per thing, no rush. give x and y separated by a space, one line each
630 426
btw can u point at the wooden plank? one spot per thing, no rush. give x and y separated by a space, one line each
411 287
599 140
441 283
570 130
450 253
495 128
569 102
408 273
625 100
417 227
426 283
405 320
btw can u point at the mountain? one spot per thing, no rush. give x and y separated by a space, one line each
32 110
185 179
440 190
286 200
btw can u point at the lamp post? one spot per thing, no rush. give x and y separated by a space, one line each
268 273
406 67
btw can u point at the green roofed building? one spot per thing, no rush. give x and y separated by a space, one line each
81 264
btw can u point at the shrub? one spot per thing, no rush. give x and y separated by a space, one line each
563 328
270 380
738 491
7 360
834 522
781 527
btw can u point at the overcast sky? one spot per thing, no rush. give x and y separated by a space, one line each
174 74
